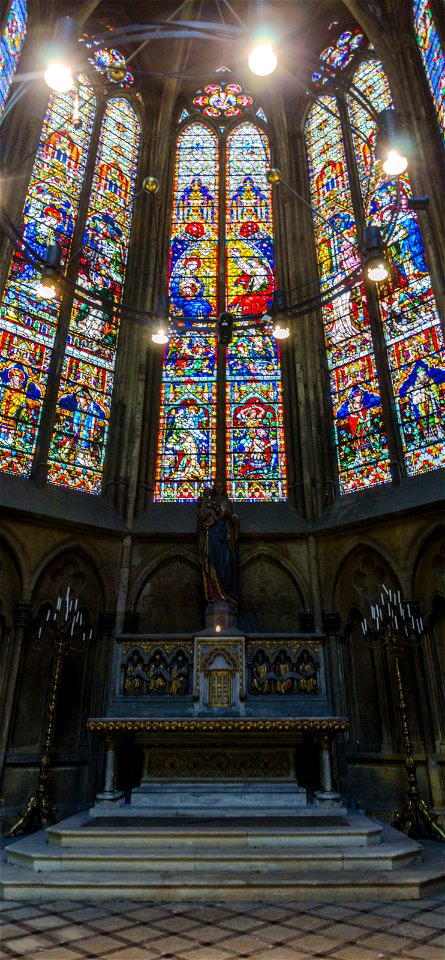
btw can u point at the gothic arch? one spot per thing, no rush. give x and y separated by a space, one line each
169 596
271 594
17 550
161 559
82 549
356 546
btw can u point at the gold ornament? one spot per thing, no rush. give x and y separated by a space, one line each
274 175
151 184
117 74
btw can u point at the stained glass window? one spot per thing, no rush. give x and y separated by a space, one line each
360 437
186 446
411 322
255 456
338 56
28 322
222 99
83 408
432 56
11 44
256 467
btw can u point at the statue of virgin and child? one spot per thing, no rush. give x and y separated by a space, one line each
218 543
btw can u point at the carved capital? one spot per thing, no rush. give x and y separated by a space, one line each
22 611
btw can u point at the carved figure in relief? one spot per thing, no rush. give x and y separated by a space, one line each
158 675
261 675
307 675
218 543
283 669
179 676
135 675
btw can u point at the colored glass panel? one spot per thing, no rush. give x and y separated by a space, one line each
432 56
83 408
338 56
27 321
410 318
11 45
360 438
108 60
256 462
186 441
225 99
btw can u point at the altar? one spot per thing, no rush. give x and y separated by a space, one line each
220 722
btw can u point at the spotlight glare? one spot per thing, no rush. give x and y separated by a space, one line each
262 60
279 332
59 77
160 337
395 164
46 289
377 272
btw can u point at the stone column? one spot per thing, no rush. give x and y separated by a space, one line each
110 792
327 795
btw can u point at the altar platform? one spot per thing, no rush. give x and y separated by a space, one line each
193 858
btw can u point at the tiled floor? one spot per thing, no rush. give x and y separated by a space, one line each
359 930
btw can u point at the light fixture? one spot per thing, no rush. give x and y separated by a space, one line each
161 335
388 147
225 328
418 203
48 285
77 119
262 59
118 73
58 74
375 266
150 184
218 628
279 332
162 312
279 315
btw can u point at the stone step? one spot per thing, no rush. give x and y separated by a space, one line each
181 852
411 883
132 832
256 798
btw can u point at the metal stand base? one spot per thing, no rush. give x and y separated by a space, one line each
38 814
416 820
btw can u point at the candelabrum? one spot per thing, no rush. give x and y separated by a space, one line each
65 628
395 625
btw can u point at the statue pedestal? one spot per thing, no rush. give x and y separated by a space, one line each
221 617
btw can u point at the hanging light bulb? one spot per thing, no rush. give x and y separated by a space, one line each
263 59
48 285
161 335
279 332
375 265
389 143
280 328
395 163
162 313
58 74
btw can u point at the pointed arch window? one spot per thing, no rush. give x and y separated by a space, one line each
187 436
410 318
35 332
28 322
432 54
11 44
83 408
203 281
414 356
360 437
